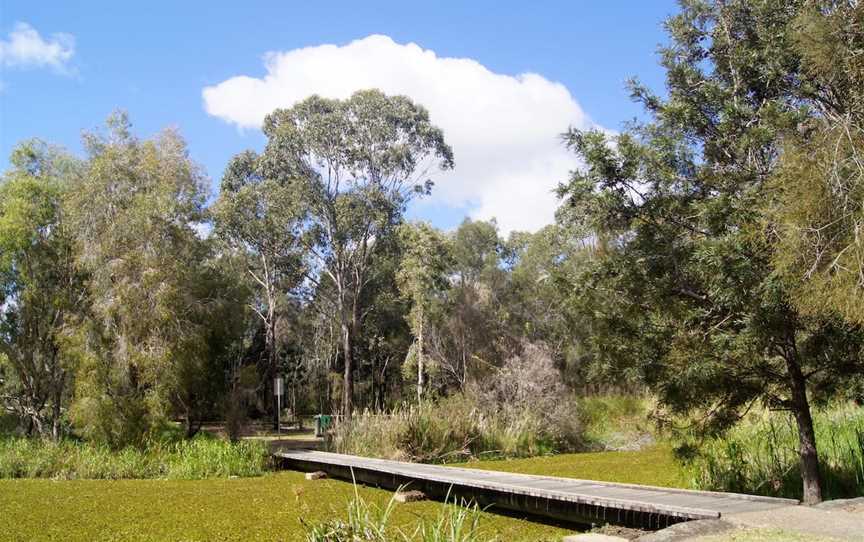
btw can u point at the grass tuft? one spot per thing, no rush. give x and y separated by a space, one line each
366 522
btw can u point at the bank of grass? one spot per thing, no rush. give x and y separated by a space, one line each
760 455
280 506
201 457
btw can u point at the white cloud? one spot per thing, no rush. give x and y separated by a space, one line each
504 129
25 48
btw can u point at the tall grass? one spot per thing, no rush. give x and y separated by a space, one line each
200 457
367 523
455 429
760 455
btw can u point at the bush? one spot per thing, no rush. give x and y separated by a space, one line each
522 411
200 457
760 455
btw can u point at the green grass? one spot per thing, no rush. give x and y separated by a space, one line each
760 455
654 466
200 457
272 507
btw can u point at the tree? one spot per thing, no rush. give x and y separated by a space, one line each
41 291
258 217
134 216
422 278
356 163
684 291
474 325
544 267
817 212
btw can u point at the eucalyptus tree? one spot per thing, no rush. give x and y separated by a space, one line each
685 292
259 218
422 278
357 163
41 290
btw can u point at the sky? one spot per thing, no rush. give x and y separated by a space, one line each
502 79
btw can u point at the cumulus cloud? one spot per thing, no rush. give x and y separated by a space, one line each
26 48
504 129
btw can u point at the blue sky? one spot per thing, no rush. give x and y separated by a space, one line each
154 59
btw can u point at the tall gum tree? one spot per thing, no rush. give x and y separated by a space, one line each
685 292
356 164
259 218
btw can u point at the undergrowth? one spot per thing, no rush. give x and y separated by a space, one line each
200 457
456 429
617 422
760 455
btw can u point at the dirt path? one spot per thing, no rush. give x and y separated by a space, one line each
822 522
833 521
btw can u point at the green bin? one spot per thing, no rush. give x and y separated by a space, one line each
322 423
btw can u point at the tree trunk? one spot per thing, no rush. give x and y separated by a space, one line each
809 456
191 430
55 412
420 377
348 383
272 374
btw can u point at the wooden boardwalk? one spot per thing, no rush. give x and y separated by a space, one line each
567 499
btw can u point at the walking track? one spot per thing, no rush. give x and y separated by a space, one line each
567 499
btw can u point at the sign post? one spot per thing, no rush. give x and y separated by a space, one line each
278 391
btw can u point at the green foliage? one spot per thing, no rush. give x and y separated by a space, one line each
422 278
617 422
683 293
40 288
365 523
162 314
181 459
258 219
356 163
759 456
816 212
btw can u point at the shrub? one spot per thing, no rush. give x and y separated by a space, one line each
760 455
523 410
459 428
200 457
